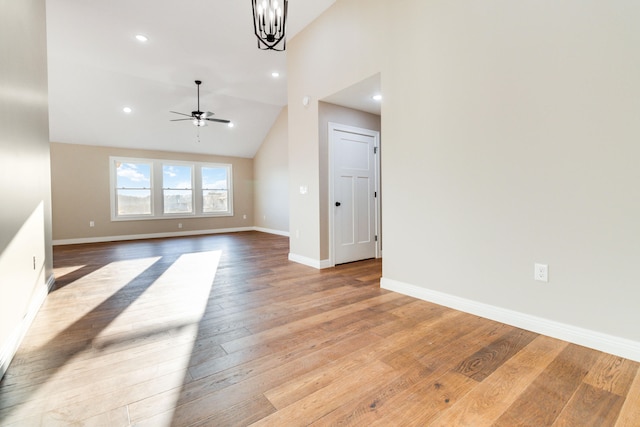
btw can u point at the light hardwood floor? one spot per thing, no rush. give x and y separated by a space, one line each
223 330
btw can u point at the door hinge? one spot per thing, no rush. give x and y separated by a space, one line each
375 194
375 150
376 238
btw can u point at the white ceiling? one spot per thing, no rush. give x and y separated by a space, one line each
359 96
96 67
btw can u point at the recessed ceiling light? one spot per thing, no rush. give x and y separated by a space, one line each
127 110
377 97
275 74
142 38
230 124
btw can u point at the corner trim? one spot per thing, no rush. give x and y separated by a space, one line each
596 340
15 339
50 282
319 264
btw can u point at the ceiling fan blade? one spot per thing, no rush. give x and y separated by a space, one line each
198 117
182 114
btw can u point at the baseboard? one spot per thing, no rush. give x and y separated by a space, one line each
271 231
319 264
10 347
149 236
596 340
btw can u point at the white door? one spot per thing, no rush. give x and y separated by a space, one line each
354 194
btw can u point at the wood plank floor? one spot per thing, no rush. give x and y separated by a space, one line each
223 330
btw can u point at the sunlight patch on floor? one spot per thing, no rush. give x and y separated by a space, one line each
78 299
153 325
167 315
179 296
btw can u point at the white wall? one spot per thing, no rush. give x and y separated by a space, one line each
526 151
511 136
270 171
25 207
337 50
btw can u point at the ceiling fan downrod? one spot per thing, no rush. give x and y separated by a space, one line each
198 83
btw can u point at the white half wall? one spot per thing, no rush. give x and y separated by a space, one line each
26 261
510 138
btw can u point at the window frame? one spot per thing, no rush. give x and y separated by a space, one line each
114 188
229 189
157 189
192 189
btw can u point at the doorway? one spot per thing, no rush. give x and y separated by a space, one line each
354 193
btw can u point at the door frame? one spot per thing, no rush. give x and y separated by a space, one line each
331 136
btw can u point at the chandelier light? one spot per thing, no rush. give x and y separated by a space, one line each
269 23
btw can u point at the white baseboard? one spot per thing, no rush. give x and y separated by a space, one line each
272 231
149 236
10 347
603 342
319 264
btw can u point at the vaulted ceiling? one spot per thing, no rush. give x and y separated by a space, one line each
97 67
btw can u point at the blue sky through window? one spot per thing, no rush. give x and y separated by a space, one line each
214 178
176 176
133 175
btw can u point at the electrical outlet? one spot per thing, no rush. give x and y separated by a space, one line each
244 216
92 224
179 225
541 272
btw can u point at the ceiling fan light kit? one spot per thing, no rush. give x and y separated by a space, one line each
199 118
269 23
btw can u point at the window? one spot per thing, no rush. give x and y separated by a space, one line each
133 189
215 189
184 189
177 185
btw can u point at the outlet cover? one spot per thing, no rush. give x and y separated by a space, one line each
541 272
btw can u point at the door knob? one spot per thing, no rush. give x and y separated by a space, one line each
338 203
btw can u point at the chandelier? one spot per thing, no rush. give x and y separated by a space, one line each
269 23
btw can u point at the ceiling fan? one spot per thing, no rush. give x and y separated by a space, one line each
199 118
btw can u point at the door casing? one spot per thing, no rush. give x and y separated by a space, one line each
337 127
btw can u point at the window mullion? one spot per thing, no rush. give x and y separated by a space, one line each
157 189
197 189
